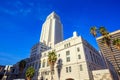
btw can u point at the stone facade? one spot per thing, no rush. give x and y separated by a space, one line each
78 59
52 31
102 74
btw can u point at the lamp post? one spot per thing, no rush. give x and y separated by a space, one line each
59 67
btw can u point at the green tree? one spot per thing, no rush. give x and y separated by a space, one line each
22 65
103 31
52 57
116 43
107 41
93 31
30 73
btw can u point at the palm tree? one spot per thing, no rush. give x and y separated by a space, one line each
93 31
22 65
30 73
103 31
116 43
52 57
106 40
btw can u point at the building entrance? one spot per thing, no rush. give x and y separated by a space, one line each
69 79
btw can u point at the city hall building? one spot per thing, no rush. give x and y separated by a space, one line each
76 58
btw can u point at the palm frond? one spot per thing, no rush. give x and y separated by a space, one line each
93 31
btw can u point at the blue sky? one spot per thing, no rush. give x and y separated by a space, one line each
21 22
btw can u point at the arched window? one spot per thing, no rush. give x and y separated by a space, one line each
47 63
43 64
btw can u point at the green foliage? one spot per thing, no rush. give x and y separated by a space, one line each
52 57
93 31
30 72
103 31
22 65
116 42
106 40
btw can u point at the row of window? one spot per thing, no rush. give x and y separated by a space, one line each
43 63
67 53
67 45
33 58
36 65
68 59
69 69
68 56
92 67
95 58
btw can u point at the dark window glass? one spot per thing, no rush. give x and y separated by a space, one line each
68 59
78 49
66 69
70 69
81 68
79 56
67 53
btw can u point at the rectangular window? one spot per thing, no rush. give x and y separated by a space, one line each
44 54
78 49
47 64
68 59
79 56
58 55
67 53
64 46
69 44
43 63
86 56
91 56
66 69
36 65
39 65
94 58
70 69
81 68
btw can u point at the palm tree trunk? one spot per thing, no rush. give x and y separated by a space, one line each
115 61
28 78
51 75
106 63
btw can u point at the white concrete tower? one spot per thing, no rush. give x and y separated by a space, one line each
52 30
